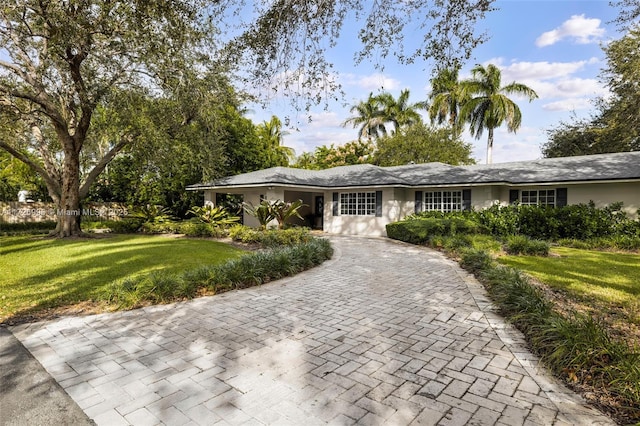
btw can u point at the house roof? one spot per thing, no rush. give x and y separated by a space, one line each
602 167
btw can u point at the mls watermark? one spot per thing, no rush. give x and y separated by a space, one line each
48 212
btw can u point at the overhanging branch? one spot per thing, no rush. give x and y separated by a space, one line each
98 168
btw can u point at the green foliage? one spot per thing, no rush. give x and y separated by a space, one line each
251 269
283 211
422 144
325 157
151 214
124 226
521 244
27 227
616 242
419 230
270 237
278 210
262 212
214 215
487 106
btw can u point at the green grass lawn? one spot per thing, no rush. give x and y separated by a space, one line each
38 273
609 280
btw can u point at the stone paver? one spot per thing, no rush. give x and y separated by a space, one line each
384 333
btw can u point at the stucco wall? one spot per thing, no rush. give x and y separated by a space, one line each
362 225
398 203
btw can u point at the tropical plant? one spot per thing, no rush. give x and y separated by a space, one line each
376 112
400 112
447 98
151 213
271 134
283 211
488 106
368 116
214 215
262 212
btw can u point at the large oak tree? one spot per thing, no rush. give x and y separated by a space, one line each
60 60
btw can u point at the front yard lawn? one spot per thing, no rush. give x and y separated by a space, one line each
604 284
38 273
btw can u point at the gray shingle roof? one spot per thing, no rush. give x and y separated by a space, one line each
602 167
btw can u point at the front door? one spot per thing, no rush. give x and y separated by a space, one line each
318 222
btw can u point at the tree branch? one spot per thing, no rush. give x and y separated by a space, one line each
98 168
52 185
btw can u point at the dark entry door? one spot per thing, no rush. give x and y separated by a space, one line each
318 222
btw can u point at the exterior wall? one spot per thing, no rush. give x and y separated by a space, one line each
362 225
398 203
603 194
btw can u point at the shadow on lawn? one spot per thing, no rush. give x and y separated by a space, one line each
83 274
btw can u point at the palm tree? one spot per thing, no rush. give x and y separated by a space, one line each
270 132
488 106
399 111
446 98
368 116
374 113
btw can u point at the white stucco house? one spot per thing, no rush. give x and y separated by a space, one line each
362 199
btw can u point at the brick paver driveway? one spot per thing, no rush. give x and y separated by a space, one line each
384 333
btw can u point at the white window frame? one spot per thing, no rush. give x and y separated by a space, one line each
358 203
443 201
538 197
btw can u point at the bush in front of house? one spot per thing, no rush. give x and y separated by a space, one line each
270 237
419 230
521 244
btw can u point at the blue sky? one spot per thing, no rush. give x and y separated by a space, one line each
554 46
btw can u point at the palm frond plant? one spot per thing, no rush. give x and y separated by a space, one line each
214 215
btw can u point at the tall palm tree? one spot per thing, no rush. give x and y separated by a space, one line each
376 112
399 111
270 132
488 106
446 98
367 115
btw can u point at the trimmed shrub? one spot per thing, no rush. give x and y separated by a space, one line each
520 244
27 227
419 230
270 237
124 226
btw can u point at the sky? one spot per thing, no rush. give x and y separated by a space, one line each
553 46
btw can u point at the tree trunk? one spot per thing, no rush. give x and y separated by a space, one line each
68 210
490 146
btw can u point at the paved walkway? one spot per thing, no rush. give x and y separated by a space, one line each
384 333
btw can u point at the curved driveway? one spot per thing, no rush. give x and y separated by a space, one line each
384 333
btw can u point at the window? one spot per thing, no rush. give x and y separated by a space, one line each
358 203
543 197
444 201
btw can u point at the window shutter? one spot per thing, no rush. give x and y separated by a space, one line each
378 203
466 199
561 197
514 195
336 207
418 205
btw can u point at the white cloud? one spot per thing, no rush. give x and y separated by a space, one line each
324 129
544 70
580 29
569 104
371 82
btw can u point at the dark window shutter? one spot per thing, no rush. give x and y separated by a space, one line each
378 203
561 197
336 207
418 205
466 199
514 195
